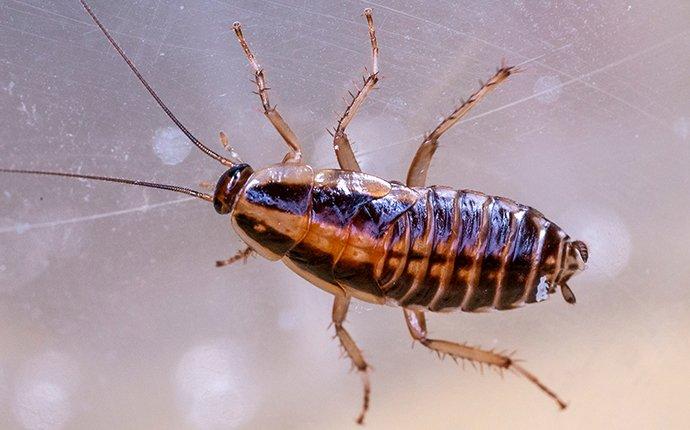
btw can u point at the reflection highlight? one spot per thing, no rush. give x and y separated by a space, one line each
171 146
214 390
42 398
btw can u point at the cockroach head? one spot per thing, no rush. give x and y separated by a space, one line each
229 186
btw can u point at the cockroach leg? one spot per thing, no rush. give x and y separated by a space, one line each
416 175
295 153
240 255
341 143
340 307
416 323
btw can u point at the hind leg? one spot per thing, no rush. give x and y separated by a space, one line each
416 323
416 175
340 307
341 143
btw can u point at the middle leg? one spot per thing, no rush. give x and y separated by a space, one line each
340 307
416 175
416 323
341 143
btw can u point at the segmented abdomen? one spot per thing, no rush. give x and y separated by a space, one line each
472 251
434 248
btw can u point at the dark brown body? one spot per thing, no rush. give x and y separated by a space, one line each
355 235
432 248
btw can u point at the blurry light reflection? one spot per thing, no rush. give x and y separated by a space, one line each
213 386
42 399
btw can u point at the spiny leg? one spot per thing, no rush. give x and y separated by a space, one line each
341 144
416 323
240 255
416 175
340 307
295 153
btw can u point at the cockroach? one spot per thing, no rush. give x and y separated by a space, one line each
352 234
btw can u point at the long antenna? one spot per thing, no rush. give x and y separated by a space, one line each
174 188
192 138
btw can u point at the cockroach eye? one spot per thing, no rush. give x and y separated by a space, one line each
229 185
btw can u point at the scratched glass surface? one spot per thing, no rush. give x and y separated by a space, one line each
112 313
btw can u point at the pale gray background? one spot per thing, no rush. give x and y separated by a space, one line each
112 314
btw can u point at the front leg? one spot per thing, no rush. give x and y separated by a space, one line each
340 307
416 323
271 112
239 255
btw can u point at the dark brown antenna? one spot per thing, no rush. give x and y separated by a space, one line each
194 140
174 188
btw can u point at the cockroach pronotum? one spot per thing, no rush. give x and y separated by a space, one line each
352 234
